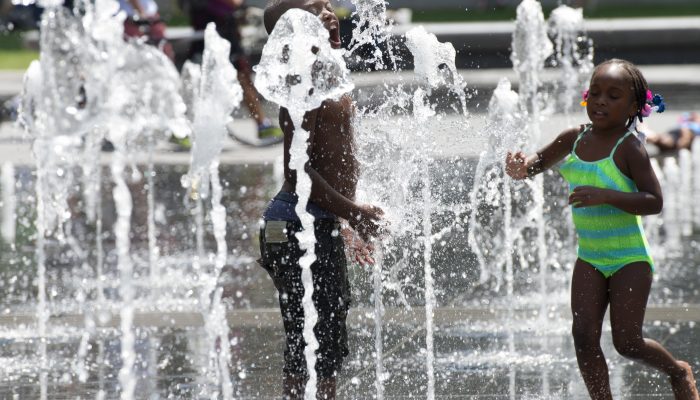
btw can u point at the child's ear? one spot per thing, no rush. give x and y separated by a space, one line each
634 109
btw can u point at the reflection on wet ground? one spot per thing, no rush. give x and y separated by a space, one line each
470 362
491 354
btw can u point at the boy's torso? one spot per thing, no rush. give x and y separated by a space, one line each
332 153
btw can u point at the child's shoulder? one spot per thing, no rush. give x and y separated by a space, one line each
344 101
569 135
633 146
341 107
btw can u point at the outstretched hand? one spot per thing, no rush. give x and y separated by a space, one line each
516 167
356 248
587 196
366 222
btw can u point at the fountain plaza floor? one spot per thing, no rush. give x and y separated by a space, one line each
479 354
485 348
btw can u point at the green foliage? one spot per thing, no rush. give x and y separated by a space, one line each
17 59
10 41
13 55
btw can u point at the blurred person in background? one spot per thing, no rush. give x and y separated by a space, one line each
143 20
224 14
343 10
680 137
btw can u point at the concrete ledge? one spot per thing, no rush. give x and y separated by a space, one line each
641 40
269 317
487 44
656 75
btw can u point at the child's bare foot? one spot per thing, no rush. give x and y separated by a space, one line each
684 387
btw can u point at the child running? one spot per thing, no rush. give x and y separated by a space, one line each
612 183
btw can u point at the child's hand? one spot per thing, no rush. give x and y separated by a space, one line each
515 165
586 196
356 248
366 222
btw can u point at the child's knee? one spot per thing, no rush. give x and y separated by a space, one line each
627 345
585 336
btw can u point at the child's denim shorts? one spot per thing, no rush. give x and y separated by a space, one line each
280 258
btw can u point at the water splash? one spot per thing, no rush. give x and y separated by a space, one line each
679 183
685 189
434 62
129 94
371 32
403 173
214 94
138 111
671 212
51 113
573 55
652 223
531 47
9 203
299 70
493 228
695 150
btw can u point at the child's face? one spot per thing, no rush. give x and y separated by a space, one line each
611 99
324 11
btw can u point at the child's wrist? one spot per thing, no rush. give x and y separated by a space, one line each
535 167
531 171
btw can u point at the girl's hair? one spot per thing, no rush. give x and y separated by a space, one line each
639 84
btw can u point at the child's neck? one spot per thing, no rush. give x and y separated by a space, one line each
609 132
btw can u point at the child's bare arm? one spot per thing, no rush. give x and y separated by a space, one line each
521 166
646 201
363 218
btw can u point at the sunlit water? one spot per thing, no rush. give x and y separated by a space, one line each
473 353
471 296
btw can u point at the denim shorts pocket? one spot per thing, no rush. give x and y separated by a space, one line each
280 260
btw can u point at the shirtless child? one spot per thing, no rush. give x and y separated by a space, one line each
333 170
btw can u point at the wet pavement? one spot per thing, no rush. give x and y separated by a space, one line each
487 344
473 359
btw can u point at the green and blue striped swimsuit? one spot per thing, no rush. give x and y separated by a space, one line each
608 238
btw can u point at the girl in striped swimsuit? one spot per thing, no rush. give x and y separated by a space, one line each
612 183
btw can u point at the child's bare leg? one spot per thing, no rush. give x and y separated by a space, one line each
326 389
629 290
250 95
293 387
685 387
589 300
